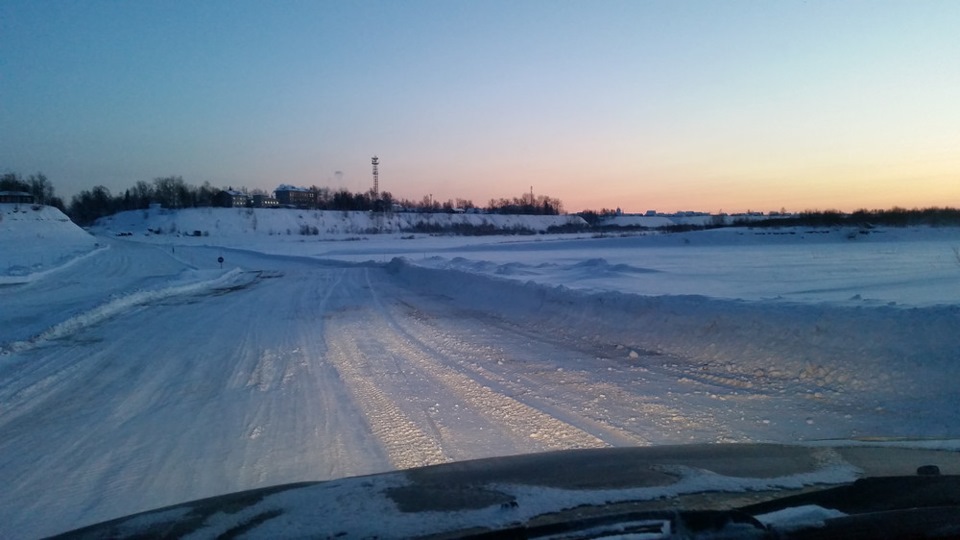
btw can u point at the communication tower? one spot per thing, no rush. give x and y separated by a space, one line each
376 176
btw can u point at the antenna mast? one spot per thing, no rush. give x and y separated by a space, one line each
376 176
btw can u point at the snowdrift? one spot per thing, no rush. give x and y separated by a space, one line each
887 351
189 282
915 266
35 238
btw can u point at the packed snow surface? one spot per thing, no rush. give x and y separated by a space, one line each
138 371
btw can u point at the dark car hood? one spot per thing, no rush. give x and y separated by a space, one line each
503 493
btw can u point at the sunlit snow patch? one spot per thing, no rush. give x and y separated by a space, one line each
799 517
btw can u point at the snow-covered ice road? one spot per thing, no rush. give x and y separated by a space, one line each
139 378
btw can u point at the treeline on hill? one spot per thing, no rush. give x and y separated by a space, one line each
35 184
540 205
172 192
894 217
593 217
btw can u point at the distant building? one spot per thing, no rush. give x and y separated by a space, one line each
294 196
265 201
17 197
229 198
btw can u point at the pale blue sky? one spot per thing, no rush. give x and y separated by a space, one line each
703 105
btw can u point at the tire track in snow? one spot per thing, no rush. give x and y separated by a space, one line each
624 404
341 438
520 419
574 407
608 397
691 401
304 418
407 445
517 417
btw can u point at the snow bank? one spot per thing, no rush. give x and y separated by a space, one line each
653 222
884 351
642 221
221 223
907 267
190 283
36 239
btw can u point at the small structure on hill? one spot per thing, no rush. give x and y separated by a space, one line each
294 196
229 198
16 197
261 200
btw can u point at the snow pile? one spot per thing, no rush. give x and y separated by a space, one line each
906 267
881 357
190 283
224 223
36 239
912 267
692 326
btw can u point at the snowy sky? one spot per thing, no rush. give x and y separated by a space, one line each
643 104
